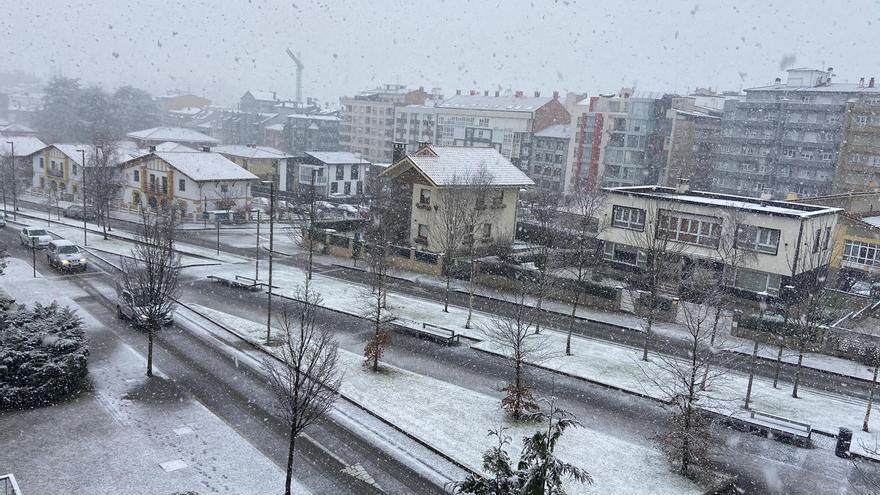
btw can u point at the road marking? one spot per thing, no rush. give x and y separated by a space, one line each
176 464
358 472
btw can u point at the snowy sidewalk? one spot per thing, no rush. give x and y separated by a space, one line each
127 434
454 420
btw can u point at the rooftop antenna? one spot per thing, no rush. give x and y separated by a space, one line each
299 74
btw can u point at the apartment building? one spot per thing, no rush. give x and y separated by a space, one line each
549 163
335 174
786 137
858 163
414 124
158 135
618 139
781 241
367 119
694 135
504 122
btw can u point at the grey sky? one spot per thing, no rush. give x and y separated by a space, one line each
222 48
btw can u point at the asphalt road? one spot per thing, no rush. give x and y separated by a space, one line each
239 395
762 466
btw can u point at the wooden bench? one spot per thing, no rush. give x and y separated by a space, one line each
426 330
790 429
238 282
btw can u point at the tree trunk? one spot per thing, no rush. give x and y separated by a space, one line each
150 331
289 481
797 371
778 366
517 390
870 398
471 283
446 296
577 297
752 374
647 343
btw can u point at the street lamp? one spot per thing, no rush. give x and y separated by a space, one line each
271 252
82 190
14 185
762 304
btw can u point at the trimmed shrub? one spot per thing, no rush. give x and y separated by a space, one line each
43 356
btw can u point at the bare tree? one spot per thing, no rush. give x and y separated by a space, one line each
102 179
661 265
306 379
378 245
151 276
449 227
515 335
584 206
688 435
303 224
545 213
479 207
873 359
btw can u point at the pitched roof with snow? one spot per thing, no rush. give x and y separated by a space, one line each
499 103
264 95
558 131
336 157
24 145
451 165
202 166
175 134
255 152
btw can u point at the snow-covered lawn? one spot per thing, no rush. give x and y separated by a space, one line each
455 419
622 367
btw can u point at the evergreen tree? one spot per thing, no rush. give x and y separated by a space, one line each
135 109
59 119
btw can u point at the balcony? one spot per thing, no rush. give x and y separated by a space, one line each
55 172
423 205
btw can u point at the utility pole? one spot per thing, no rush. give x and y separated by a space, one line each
34 254
311 230
271 251
82 190
217 219
14 187
257 256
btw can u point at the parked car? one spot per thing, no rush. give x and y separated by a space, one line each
2 221
65 255
76 211
34 236
129 306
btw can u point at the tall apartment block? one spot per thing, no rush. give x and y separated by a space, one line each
505 122
549 165
367 120
786 138
414 124
618 140
858 163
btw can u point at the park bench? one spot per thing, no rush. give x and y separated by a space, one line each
781 427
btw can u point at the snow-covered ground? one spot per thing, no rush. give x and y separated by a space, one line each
454 419
115 437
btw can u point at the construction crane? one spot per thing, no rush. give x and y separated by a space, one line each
299 74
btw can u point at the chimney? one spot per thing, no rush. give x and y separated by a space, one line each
871 82
424 144
518 94
486 93
861 82
152 148
457 92
778 80
537 94
683 186
497 94
274 96
398 151
252 145
206 148
556 95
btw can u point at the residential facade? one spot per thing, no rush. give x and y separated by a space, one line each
786 137
265 162
618 139
193 182
158 135
691 145
858 163
58 169
779 241
301 133
418 180
367 119
504 122
549 164
335 174
414 124
178 101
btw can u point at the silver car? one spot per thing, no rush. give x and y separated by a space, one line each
34 237
65 255
130 306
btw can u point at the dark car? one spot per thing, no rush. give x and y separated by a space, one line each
76 211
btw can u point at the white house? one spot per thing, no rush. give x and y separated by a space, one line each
195 182
777 241
336 174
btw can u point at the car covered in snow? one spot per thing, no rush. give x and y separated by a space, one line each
65 255
34 237
133 307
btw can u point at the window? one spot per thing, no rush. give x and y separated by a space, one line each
42 164
340 172
817 240
861 253
827 240
862 119
224 188
165 185
136 175
755 281
424 197
334 187
628 218
760 239
355 172
75 169
423 233
692 229
487 231
181 185
360 188
346 188
826 156
620 253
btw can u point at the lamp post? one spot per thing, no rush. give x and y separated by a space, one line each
271 252
82 190
763 305
14 184
257 256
